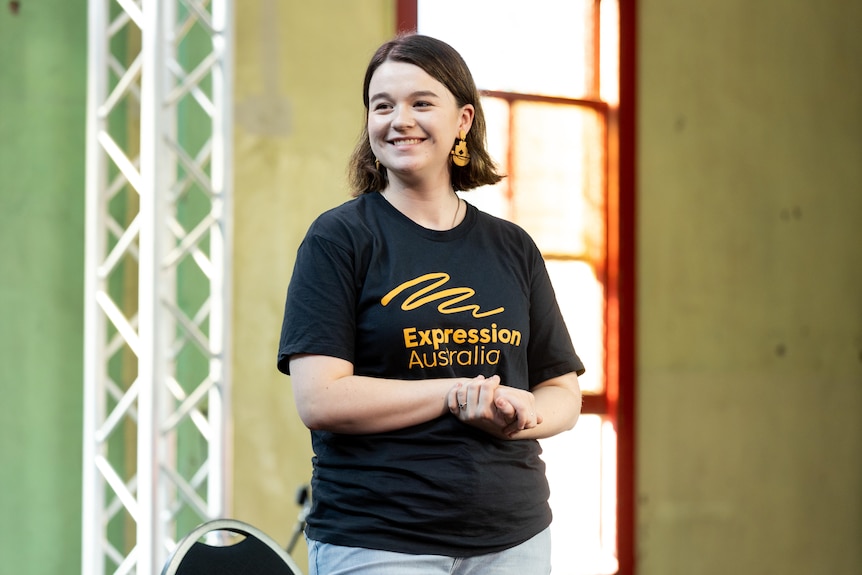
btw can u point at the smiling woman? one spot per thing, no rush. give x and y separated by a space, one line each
427 350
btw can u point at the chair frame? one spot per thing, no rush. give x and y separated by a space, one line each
232 525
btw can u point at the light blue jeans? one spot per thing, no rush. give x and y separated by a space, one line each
533 557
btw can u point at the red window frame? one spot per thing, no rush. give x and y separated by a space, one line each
620 396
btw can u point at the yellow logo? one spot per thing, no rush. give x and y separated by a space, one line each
451 296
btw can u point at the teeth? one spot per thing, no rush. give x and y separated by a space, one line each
406 142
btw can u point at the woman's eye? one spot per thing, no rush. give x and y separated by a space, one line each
422 104
382 106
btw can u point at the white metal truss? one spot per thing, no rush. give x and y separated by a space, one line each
158 249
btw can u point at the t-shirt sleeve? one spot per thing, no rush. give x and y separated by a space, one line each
319 311
551 352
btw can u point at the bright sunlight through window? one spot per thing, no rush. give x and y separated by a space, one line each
548 71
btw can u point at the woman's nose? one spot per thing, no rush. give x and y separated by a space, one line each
403 117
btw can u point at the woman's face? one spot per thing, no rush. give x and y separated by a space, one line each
413 121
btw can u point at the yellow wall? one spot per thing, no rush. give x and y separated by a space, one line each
750 287
749 261
299 71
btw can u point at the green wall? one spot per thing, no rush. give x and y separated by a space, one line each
42 103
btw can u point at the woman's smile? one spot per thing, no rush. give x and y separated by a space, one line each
405 141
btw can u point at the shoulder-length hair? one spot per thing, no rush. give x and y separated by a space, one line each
443 63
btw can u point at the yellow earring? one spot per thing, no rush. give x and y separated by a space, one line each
460 155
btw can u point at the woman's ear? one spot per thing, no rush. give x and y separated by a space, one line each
467 113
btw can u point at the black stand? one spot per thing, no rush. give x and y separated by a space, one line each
303 499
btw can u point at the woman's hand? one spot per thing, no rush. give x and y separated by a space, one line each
497 409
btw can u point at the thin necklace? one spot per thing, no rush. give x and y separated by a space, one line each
457 209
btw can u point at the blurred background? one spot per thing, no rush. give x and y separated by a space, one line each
747 361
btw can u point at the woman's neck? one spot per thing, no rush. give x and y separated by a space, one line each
436 209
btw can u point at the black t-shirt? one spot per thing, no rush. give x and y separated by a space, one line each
401 301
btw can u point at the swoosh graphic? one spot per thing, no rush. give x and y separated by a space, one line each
455 296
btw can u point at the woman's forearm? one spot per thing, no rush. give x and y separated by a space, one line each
330 397
558 404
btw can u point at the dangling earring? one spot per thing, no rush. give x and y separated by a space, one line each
459 153
377 164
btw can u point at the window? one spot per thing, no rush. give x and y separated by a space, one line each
549 74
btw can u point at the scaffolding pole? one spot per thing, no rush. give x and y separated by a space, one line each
157 281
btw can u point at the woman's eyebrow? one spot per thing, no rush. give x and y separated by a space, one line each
380 96
417 94
424 94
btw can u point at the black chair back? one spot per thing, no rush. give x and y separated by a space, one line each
256 554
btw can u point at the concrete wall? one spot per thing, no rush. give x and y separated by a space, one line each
750 287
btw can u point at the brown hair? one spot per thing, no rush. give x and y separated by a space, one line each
443 63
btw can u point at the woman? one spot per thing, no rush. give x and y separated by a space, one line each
425 345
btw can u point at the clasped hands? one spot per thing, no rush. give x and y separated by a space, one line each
500 410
